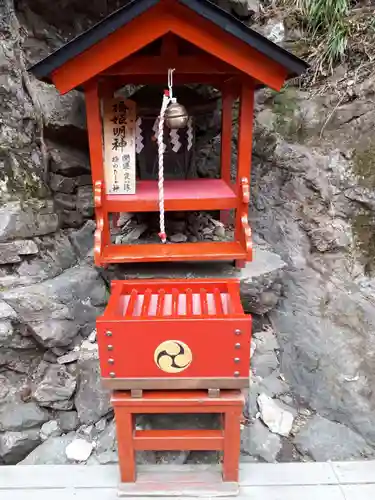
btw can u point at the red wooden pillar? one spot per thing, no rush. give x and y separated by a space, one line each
94 127
228 97
245 146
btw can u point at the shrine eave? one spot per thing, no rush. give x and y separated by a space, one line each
205 8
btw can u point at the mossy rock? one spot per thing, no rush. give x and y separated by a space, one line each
364 166
363 225
288 122
300 48
20 177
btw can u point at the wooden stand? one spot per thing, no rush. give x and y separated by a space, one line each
229 404
147 320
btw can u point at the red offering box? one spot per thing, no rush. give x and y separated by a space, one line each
174 334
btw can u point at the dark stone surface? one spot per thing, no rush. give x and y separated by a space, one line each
56 388
69 302
325 440
17 416
14 446
92 401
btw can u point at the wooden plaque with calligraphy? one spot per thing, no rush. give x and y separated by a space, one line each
119 122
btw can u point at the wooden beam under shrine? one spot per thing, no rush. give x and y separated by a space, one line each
159 65
178 79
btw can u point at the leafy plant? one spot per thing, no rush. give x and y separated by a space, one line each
328 28
327 23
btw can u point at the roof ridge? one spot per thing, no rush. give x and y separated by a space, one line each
127 13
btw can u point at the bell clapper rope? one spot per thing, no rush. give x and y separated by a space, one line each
167 99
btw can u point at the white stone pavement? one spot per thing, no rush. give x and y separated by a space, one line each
302 481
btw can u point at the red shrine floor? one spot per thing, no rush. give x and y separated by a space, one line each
192 194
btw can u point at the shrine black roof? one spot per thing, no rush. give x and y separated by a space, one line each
205 8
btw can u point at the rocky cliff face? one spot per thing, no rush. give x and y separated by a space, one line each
310 286
312 203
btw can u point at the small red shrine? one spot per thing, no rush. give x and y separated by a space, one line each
170 346
138 44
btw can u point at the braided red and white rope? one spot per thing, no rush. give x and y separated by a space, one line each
167 99
161 146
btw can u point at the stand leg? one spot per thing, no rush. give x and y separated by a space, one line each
232 443
125 432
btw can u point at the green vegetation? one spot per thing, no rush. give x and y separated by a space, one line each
334 29
327 24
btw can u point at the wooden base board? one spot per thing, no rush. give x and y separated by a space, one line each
182 383
174 252
179 481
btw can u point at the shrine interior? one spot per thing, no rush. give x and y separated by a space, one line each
193 152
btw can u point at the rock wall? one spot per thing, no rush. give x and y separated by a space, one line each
50 291
310 287
312 203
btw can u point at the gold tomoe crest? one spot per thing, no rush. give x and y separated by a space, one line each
173 356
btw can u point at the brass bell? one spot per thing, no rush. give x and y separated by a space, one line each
176 116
